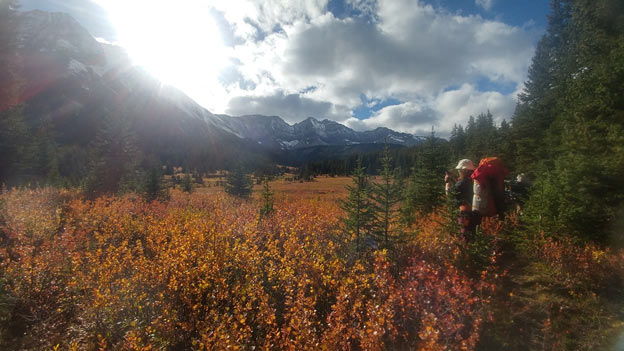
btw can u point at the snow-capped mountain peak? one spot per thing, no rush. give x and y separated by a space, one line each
276 133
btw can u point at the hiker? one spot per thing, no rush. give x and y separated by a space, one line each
519 191
489 188
463 192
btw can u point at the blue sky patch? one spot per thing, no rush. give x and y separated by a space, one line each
340 9
452 87
370 106
512 12
307 89
505 88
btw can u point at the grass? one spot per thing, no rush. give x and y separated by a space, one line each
325 187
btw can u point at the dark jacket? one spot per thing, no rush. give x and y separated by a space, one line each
463 192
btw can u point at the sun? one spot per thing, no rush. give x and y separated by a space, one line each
178 42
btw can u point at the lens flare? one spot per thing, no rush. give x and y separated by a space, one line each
178 42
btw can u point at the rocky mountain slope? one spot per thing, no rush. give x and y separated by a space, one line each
74 83
274 133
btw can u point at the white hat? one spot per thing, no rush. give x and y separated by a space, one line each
466 164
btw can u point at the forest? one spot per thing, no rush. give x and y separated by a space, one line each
101 248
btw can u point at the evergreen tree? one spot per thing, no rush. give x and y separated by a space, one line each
153 187
238 183
14 145
544 93
504 146
15 138
11 84
115 159
457 142
43 162
267 198
580 165
386 195
187 183
480 136
357 207
426 187
306 174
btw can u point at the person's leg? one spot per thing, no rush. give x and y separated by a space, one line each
465 224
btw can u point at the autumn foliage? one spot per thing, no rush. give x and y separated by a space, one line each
208 272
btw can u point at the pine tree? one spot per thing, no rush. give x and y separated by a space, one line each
306 174
580 164
480 135
544 93
11 83
426 186
15 139
42 164
187 183
15 142
267 198
152 186
504 146
386 195
357 207
238 183
115 159
457 142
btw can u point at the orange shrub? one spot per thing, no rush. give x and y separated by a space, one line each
205 271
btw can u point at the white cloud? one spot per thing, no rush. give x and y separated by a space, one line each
485 4
455 106
253 16
441 112
367 8
291 107
106 41
295 59
408 117
411 52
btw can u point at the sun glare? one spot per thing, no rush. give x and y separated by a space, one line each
178 42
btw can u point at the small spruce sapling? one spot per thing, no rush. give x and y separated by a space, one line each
267 198
187 183
386 195
357 207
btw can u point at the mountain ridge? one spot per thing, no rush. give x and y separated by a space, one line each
73 82
275 133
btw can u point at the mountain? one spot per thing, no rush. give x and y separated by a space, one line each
273 133
74 85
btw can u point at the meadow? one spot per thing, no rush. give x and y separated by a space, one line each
326 187
206 271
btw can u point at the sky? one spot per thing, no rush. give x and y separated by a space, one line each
403 64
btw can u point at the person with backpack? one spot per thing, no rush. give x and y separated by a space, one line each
489 188
462 197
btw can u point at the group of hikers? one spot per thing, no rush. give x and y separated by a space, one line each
479 191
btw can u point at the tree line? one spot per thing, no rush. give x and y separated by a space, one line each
566 133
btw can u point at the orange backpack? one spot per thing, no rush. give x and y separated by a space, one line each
489 187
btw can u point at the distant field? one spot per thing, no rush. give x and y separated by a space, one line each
329 188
